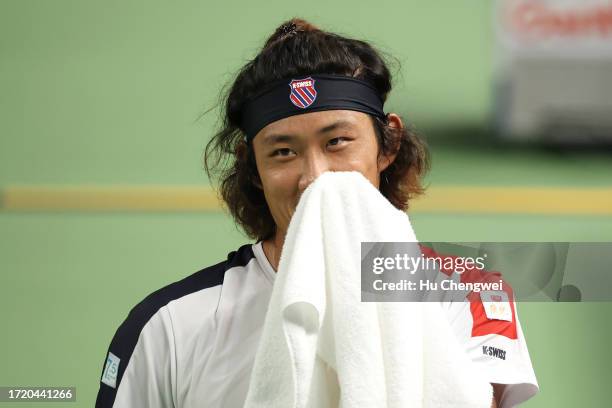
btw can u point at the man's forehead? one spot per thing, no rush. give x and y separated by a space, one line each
312 123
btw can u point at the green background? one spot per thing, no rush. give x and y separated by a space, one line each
109 93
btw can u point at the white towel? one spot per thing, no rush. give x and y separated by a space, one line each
322 347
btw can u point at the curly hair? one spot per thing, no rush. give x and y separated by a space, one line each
296 48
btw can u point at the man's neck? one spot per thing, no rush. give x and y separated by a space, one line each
273 247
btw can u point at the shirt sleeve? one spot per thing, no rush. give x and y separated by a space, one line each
488 327
140 368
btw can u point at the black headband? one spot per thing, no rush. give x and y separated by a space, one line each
313 93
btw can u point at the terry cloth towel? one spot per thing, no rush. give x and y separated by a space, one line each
322 347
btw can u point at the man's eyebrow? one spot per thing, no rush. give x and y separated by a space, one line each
273 139
280 138
336 125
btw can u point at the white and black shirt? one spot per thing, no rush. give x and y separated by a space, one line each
193 343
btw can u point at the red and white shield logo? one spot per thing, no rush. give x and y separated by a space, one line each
303 92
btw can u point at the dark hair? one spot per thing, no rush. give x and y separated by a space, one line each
299 48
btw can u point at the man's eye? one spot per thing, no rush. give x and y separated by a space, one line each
284 152
337 141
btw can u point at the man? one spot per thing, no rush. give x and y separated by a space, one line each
193 342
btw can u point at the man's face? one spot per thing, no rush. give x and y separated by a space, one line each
292 152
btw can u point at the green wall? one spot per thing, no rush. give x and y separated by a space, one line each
109 93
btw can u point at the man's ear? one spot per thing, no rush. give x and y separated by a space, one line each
385 160
256 181
242 152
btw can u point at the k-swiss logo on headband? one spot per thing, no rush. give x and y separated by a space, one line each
303 92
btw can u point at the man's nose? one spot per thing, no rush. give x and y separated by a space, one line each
314 166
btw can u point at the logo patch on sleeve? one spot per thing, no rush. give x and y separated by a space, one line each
496 305
493 312
111 369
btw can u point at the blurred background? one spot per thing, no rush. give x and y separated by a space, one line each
104 199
